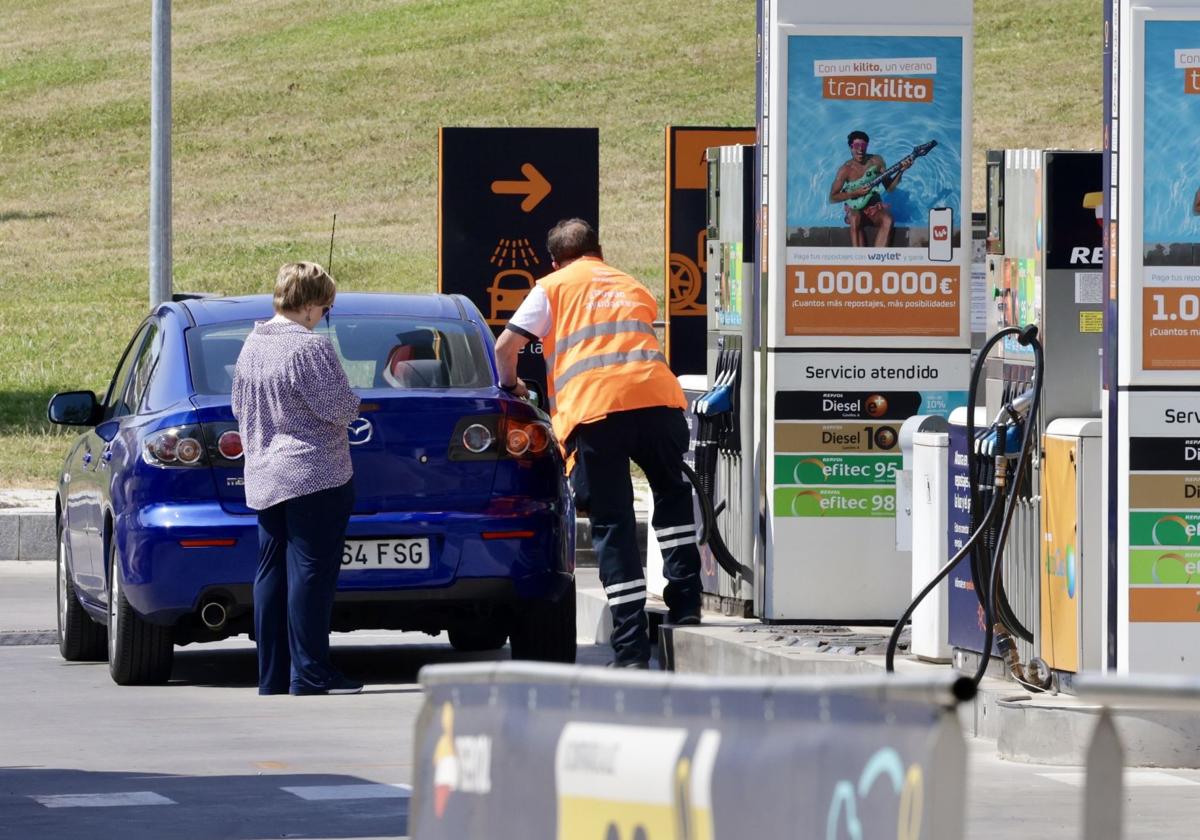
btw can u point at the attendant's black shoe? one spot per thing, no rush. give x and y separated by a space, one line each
340 685
641 666
689 620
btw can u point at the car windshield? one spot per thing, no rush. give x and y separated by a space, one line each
376 352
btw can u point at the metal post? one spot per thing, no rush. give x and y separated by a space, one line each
160 153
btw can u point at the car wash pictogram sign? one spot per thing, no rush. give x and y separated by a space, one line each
500 190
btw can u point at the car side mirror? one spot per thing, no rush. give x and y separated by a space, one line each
73 408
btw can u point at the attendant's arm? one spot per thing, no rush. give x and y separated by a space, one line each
508 347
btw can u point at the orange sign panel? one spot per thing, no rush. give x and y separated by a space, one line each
1164 605
1171 328
690 168
872 300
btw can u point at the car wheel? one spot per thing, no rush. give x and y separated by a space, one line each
545 630
478 638
139 653
80 639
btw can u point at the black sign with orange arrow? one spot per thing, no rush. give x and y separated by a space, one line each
500 190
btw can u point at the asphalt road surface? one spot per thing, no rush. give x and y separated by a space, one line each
206 758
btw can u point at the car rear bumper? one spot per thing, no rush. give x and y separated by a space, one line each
524 553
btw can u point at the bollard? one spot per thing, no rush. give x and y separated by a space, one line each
1126 698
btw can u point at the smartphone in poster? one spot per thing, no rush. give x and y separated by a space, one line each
874 185
1170 296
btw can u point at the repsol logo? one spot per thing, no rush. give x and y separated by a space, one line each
1081 255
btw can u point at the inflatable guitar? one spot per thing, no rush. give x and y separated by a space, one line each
873 179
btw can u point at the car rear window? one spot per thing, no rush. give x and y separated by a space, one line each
376 352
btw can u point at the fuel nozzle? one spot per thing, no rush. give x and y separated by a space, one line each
1019 407
1036 676
1006 645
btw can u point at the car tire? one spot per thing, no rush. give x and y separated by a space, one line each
80 639
139 653
545 630
477 639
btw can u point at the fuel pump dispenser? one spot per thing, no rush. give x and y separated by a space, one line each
723 476
1043 267
723 455
840 300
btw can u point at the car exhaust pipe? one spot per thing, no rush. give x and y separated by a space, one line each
213 614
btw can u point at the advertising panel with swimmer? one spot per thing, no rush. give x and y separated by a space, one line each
1170 296
874 185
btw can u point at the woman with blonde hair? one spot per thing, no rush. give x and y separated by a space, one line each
293 403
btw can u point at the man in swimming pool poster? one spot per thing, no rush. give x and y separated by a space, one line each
864 204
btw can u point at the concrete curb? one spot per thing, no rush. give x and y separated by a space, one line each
27 534
1035 729
1058 730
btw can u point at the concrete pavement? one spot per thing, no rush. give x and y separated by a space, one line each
233 765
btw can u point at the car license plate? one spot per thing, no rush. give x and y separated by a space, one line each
385 554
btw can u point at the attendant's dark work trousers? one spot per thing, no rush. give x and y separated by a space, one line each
299 557
655 439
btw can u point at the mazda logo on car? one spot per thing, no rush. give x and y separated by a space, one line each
360 431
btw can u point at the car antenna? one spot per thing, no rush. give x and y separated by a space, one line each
329 264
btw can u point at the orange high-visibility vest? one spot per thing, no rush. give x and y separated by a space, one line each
601 352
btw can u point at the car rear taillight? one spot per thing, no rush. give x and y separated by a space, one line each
195 445
229 444
477 438
530 437
497 436
516 442
178 447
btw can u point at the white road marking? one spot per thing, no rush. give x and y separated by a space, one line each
103 800
368 791
1133 778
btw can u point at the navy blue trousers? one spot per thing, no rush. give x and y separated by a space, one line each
299 557
655 439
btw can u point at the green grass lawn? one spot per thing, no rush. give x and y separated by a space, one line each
287 111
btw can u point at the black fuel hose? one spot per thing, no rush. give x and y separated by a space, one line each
1028 338
710 535
894 639
988 587
980 568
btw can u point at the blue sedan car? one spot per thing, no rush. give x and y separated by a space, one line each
463 520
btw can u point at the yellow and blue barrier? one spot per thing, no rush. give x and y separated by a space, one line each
524 750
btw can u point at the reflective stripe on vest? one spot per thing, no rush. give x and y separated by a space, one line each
605 360
607 328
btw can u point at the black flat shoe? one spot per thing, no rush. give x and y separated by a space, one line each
342 685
